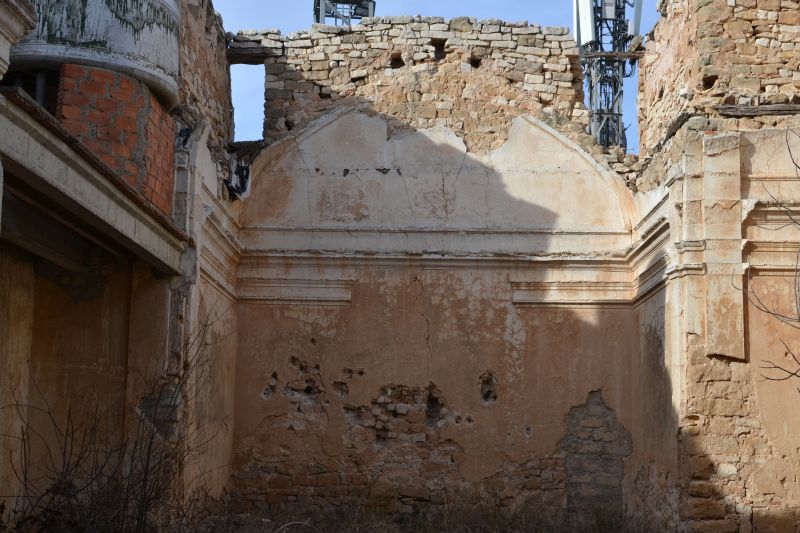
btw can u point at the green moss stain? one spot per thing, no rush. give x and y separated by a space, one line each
65 21
136 15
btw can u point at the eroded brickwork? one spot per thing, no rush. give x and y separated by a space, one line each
124 124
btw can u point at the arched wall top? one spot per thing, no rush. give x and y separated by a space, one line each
353 181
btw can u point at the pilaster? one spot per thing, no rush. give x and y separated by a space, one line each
722 237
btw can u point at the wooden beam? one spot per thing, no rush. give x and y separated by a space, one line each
42 236
757 110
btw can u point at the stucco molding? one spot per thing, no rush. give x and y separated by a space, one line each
279 291
17 19
549 226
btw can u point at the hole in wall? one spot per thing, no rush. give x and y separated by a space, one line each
709 81
341 388
247 95
475 61
269 390
489 387
438 48
433 408
396 60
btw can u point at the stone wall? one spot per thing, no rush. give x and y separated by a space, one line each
124 125
704 54
463 74
204 85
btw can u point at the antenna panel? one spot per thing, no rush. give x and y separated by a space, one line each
583 21
637 17
609 9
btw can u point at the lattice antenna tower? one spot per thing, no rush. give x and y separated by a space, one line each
342 12
609 43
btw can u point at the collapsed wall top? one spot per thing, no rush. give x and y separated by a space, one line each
138 37
464 74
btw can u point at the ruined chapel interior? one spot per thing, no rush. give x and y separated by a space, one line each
427 287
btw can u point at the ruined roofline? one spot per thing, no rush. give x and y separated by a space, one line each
514 68
537 67
254 46
459 22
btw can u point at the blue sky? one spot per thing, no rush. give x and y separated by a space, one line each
248 81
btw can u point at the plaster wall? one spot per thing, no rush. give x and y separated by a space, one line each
213 333
16 330
420 325
450 378
87 346
63 355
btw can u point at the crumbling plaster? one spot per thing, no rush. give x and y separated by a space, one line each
421 309
383 210
375 257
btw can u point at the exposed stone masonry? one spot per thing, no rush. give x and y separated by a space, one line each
707 53
725 445
595 446
467 75
205 82
397 457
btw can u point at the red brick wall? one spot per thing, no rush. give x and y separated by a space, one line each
119 119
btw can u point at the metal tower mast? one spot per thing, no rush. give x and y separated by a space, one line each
605 35
341 12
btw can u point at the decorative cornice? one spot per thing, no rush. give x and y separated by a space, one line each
17 19
254 259
295 291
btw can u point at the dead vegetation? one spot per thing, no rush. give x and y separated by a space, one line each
363 519
98 468
789 367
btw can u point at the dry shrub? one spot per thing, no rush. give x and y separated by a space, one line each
96 472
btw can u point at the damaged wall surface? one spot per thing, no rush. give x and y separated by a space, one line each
440 293
416 320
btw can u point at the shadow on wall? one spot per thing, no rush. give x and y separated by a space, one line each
389 350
